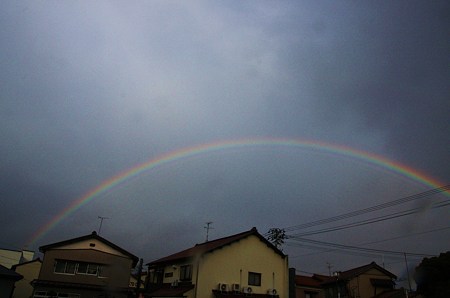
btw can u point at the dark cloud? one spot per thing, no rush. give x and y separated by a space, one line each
90 91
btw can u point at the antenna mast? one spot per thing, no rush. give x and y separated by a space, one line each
329 268
101 222
208 227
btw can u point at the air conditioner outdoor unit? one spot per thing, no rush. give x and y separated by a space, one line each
236 288
247 290
223 287
272 292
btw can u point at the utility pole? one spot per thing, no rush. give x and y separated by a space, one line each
101 222
407 272
329 268
208 227
139 274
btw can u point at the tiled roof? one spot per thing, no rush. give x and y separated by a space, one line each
93 235
200 249
314 281
349 274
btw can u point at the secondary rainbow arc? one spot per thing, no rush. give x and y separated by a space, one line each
339 150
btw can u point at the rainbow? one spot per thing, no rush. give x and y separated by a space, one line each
339 150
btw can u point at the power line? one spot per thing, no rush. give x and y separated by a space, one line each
370 209
371 220
364 249
339 251
322 250
408 235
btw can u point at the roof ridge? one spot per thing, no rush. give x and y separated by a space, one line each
251 231
200 249
93 235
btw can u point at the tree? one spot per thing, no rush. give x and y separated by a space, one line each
277 237
432 276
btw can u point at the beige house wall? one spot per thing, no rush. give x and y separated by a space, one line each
361 285
231 265
118 267
29 271
88 244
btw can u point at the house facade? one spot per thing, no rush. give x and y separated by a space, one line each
29 271
233 266
362 282
309 286
87 266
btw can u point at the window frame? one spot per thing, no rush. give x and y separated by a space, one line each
254 279
79 268
186 272
67 264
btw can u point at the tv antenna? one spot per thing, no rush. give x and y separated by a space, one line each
329 268
208 227
101 222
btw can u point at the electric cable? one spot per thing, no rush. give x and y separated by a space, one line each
370 209
350 247
371 220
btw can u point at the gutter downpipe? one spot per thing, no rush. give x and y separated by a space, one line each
196 277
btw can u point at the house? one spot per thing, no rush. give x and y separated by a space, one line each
8 278
309 286
134 280
10 257
87 266
29 271
233 266
362 282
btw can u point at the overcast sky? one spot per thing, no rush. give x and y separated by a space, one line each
91 89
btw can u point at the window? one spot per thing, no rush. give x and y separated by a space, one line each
82 268
92 269
71 267
186 273
102 271
86 268
254 279
65 267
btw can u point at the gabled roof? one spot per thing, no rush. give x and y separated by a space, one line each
93 235
349 274
6 273
314 281
203 248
